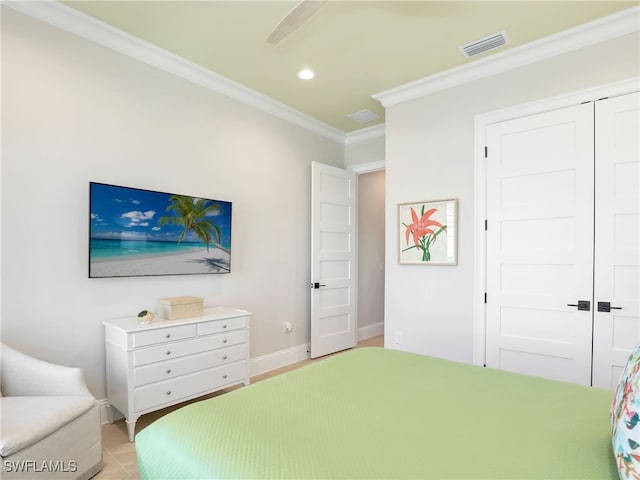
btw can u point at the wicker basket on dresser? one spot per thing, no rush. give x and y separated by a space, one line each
153 366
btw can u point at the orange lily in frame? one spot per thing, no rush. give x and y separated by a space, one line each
423 230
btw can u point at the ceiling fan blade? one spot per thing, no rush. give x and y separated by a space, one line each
302 12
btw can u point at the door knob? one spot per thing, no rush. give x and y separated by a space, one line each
583 305
317 285
606 307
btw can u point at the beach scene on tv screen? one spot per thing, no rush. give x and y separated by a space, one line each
136 232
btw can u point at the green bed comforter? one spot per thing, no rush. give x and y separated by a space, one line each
377 413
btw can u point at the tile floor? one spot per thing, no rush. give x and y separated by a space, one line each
119 456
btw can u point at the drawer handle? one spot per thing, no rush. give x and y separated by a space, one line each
224 341
168 335
168 352
169 392
224 376
224 326
169 371
224 358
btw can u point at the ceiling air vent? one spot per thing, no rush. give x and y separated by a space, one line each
484 44
364 116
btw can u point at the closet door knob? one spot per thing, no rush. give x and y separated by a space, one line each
583 305
606 307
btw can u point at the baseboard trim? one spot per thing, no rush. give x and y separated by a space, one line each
369 331
283 358
104 411
279 359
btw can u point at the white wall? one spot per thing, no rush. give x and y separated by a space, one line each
364 150
430 154
73 112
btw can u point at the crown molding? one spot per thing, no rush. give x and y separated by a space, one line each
89 28
364 134
71 20
606 28
369 167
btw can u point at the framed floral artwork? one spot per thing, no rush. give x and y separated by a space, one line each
428 232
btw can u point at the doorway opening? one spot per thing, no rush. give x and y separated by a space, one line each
371 254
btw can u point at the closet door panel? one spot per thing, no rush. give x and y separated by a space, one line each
617 236
540 244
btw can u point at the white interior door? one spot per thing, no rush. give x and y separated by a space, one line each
333 232
617 236
540 244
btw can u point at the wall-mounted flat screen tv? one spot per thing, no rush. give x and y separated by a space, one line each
135 232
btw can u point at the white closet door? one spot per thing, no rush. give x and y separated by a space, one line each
540 244
617 236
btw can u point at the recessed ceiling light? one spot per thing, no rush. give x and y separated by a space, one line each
306 74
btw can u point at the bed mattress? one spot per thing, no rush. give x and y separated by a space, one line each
378 413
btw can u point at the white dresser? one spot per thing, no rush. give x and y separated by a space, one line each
169 361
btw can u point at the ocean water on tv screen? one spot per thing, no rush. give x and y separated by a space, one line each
105 249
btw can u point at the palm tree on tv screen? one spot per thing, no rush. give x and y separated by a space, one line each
191 214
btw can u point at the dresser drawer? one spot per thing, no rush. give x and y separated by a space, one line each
172 391
183 348
163 335
181 366
220 326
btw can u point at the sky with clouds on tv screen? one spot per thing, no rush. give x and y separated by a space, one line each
122 213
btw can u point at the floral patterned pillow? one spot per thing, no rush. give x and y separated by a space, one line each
625 420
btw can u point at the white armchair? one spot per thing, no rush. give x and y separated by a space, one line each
49 421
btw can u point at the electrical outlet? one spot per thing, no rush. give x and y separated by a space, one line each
398 338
